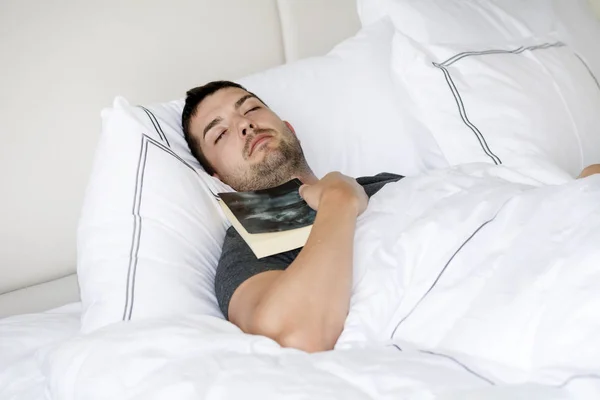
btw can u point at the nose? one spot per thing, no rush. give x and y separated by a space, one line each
245 127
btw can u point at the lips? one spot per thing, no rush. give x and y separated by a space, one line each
256 141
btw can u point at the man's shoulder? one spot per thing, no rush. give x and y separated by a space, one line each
234 244
233 235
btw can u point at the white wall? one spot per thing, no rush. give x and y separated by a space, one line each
62 61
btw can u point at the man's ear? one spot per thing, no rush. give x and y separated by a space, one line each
290 126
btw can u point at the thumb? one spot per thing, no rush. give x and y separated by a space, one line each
302 189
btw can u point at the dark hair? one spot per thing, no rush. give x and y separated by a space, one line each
193 99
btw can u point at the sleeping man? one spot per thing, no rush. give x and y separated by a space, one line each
299 298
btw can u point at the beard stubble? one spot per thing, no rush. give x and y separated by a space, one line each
278 166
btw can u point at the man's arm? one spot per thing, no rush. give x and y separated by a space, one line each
306 305
590 170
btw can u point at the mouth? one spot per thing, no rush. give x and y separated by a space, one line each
257 141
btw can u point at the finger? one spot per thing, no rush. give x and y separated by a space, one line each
301 190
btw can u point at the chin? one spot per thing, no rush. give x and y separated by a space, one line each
275 158
265 153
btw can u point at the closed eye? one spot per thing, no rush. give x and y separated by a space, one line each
220 136
252 109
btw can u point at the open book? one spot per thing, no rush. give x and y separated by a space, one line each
272 220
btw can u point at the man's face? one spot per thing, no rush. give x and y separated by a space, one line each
247 144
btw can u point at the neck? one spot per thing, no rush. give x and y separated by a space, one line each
306 176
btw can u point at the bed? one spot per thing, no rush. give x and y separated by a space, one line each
80 313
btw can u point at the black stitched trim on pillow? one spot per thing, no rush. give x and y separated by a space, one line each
459 102
137 219
156 125
588 70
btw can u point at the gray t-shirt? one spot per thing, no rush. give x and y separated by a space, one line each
238 263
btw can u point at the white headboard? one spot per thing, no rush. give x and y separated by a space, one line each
62 62
596 7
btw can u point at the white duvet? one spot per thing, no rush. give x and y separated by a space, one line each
470 283
23 339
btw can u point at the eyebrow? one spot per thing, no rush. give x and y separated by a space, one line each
242 99
211 125
217 120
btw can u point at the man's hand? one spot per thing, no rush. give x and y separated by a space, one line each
591 170
306 305
338 188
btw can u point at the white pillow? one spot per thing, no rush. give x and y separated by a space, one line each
463 21
149 235
529 105
491 21
346 112
579 28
